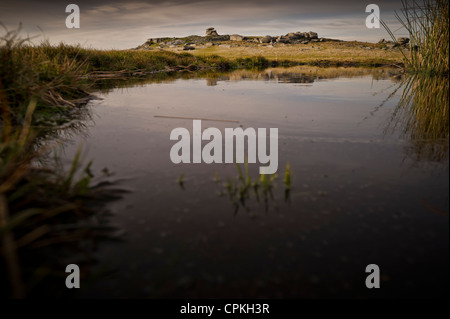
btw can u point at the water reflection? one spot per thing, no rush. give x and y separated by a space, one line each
351 201
423 117
298 74
249 193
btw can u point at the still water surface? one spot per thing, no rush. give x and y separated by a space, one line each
358 194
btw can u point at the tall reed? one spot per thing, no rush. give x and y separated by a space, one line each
427 23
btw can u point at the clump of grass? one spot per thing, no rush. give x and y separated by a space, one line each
181 181
148 61
30 72
287 182
240 189
427 23
46 213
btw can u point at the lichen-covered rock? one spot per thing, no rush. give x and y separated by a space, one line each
266 39
292 35
236 37
211 32
312 35
217 38
283 39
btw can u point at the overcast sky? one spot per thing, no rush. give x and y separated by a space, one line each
127 24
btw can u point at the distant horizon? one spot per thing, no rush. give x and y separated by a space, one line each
125 25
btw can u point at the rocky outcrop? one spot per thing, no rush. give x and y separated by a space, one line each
236 37
294 38
266 39
213 38
401 42
211 32
283 39
312 35
224 37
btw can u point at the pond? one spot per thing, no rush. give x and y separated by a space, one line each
358 193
